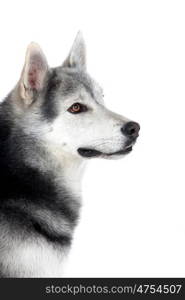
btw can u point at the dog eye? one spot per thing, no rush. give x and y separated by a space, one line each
77 108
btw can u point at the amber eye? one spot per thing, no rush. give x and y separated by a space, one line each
77 108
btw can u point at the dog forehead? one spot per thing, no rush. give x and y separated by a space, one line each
73 81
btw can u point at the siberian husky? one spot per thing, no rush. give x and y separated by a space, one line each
51 123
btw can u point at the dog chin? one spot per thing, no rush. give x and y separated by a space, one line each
90 153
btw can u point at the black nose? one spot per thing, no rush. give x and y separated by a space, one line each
131 129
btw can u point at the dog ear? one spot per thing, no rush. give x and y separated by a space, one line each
77 55
33 73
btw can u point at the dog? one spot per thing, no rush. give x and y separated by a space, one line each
52 122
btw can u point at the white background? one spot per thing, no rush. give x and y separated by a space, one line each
132 222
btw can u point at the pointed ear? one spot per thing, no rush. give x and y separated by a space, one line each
77 55
34 73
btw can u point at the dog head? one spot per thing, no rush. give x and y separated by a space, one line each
64 106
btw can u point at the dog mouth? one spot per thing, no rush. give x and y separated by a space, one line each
87 152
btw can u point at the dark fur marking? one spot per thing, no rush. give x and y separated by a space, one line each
49 109
28 225
21 182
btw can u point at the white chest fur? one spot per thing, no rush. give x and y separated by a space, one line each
35 259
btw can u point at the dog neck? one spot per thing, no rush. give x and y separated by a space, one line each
67 170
